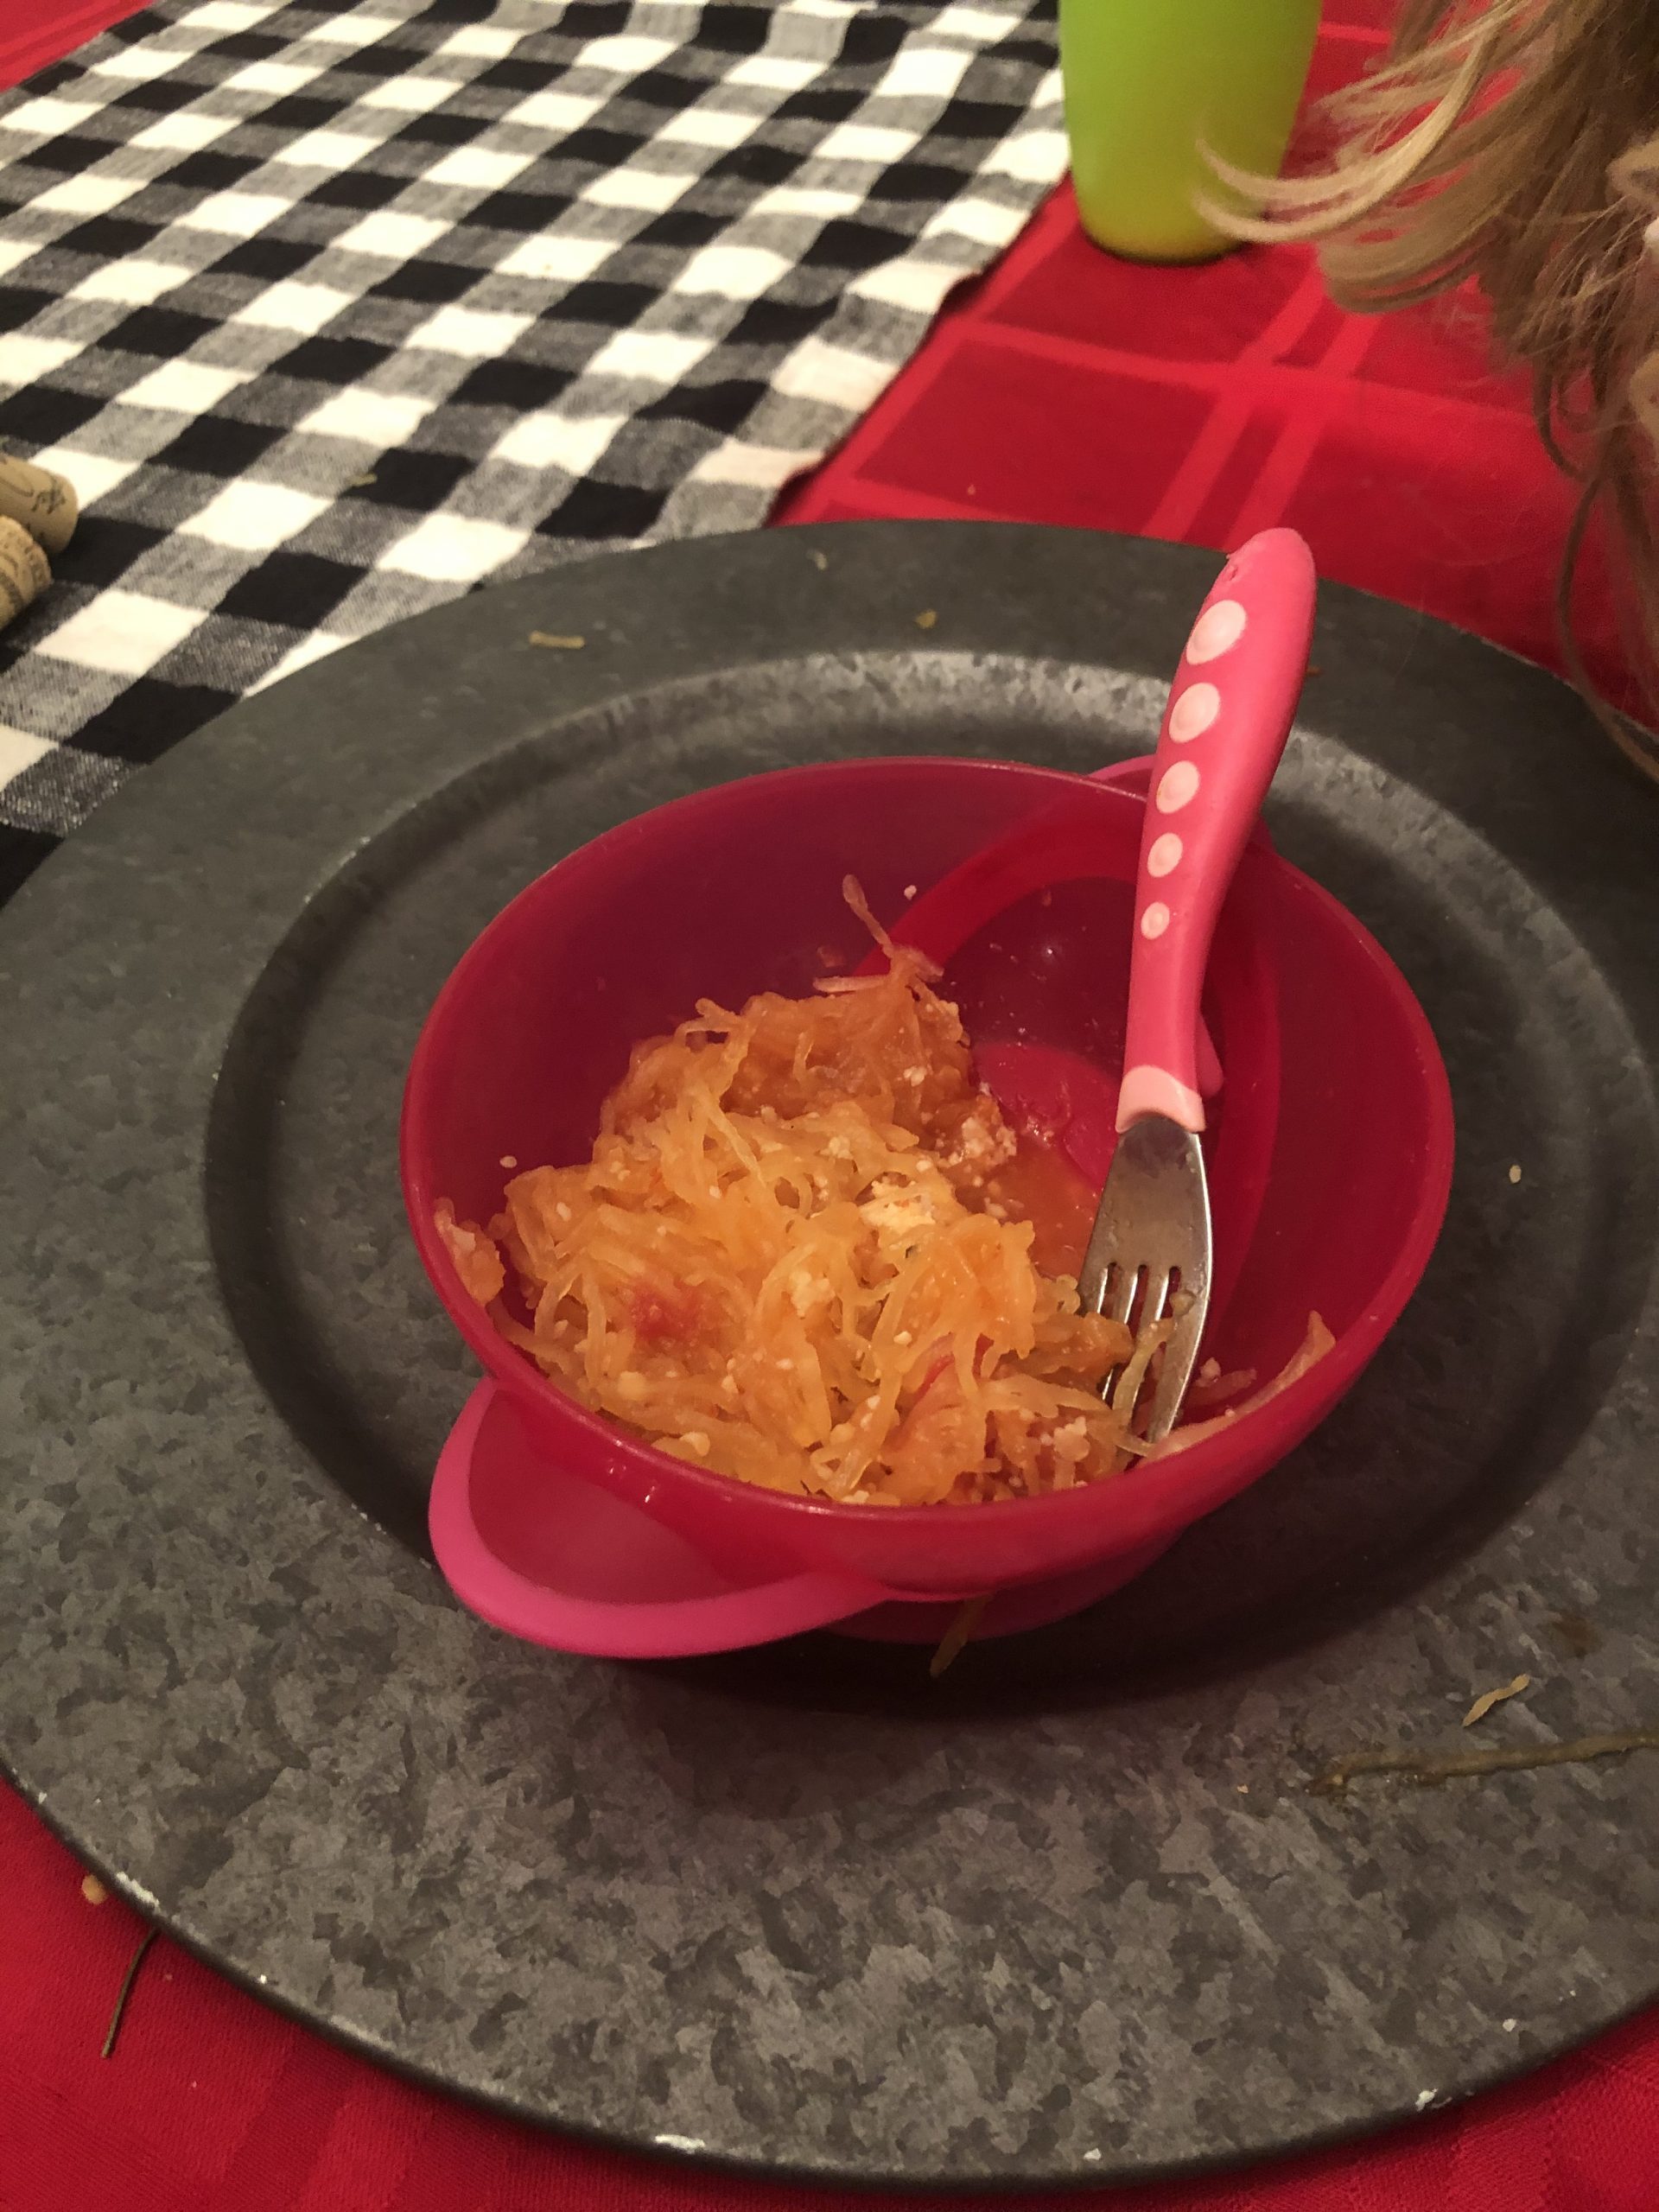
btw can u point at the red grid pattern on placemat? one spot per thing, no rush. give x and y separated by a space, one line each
1071 388
1066 388
1206 403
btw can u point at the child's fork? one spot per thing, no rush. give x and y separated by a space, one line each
1224 728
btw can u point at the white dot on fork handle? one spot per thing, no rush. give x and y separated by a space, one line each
1179 784
1216 631
1193 712
1165 856
1155 920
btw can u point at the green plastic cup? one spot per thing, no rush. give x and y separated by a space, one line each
1150 84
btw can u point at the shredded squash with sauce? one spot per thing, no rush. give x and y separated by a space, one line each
809 1252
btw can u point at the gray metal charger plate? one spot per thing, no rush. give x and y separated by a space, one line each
1069 1913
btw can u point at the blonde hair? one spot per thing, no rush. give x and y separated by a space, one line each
1517 143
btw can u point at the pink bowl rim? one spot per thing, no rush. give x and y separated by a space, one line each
1323 1384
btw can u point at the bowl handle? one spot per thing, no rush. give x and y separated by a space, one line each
488 1445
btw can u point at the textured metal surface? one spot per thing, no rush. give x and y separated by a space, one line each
1070 1912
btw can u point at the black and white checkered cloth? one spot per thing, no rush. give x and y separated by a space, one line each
330 312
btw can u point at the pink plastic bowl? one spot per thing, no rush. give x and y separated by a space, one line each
1330 1147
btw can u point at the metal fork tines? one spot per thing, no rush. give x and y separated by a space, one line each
1148 1258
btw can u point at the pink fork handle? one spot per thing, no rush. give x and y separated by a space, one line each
1230 712
1209 1077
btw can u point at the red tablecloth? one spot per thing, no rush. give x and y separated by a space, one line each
1069 389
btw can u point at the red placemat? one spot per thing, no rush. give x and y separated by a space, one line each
211 2103
1070 389
1205 403
35 32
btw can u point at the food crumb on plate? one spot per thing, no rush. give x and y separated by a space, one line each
956 1636
1514 1174
1483 1704
1510 2026
910 891
508 1160
557 643
93 1889
927 618
1425 2098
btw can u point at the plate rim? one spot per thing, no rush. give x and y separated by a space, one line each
239 743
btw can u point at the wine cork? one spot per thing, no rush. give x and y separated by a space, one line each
45 505
24 574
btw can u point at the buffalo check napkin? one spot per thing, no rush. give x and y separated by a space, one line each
331 313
